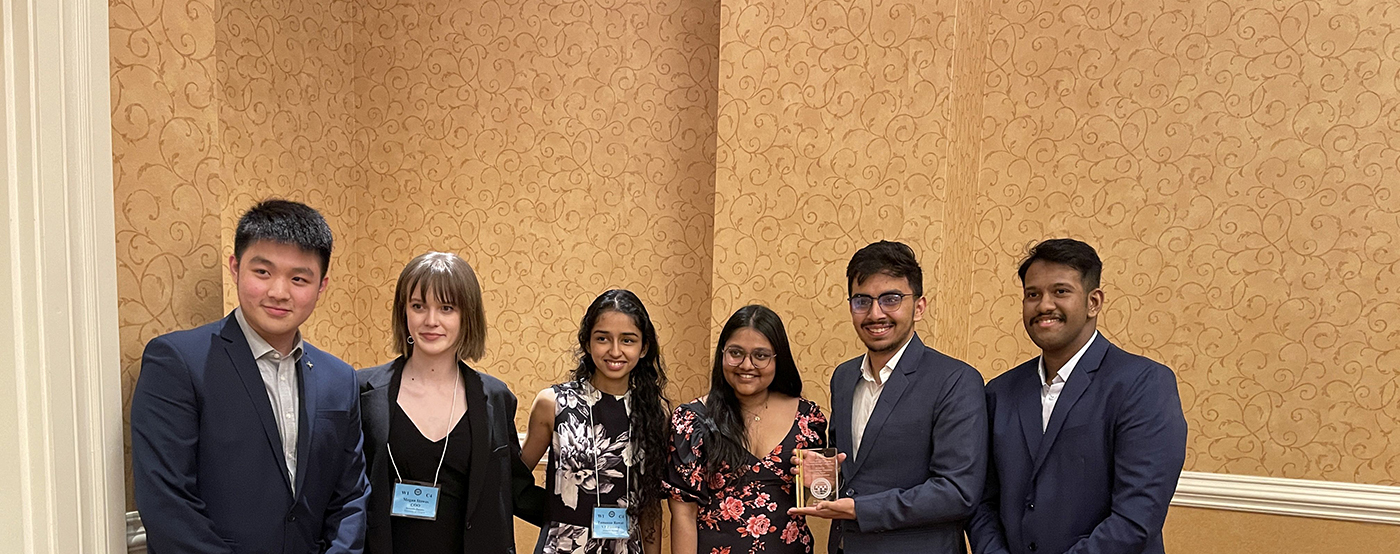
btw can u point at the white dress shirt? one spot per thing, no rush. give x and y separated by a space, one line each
868 394
1050 391
279 375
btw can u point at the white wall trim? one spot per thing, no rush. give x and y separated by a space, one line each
60 375
1289 497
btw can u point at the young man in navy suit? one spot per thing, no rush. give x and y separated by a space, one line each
909 421
1087 440
245 438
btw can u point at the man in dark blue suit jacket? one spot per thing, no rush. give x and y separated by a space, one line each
910 420
1088 441
244 438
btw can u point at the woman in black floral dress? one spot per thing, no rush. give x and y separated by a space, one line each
606 432
730 478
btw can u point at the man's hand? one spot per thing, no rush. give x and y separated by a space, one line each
841 508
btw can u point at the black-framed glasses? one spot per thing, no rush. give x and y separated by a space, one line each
889 301
734 356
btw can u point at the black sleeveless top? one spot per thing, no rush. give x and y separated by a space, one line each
417 460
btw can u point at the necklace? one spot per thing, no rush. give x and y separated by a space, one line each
756 417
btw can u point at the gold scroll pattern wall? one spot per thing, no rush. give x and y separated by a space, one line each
1229 159
1235 165
833 132
287 129
166 172
563 148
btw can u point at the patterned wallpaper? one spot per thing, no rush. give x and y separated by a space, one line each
166 170
562 148
833 132
1226 158
287 128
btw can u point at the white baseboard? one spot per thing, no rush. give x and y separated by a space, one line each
1289 497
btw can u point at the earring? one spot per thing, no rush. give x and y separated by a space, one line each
410 340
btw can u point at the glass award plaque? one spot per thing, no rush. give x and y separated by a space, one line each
817 477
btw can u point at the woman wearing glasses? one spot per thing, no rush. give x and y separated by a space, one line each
440 446
730 478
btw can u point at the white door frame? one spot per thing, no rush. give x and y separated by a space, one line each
61 451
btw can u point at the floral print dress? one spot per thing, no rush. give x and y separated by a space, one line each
588 462
747 514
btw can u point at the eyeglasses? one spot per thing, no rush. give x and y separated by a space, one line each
735 356
889 301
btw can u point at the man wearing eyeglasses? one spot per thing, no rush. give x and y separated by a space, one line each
910 422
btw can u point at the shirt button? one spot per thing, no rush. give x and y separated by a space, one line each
1031 506
293 519
1031 547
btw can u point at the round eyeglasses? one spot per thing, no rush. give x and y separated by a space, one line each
734 356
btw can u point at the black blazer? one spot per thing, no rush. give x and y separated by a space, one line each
499 483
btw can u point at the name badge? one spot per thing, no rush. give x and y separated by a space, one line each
415 500
610 522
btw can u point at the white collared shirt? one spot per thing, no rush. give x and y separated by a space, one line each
868 394
279 375
1050 392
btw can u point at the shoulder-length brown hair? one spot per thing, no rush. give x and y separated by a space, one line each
452 281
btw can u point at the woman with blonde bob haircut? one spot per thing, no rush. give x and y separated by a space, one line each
437 429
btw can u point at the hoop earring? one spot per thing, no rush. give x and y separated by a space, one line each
410 340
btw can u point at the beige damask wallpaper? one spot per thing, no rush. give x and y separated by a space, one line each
1228 158
1234 162
563 148
166 171
834 130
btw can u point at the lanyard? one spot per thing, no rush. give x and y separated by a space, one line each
597 453
451 407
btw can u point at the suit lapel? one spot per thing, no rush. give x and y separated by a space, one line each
481 436
306 425
240 356
1027 398
843 387
1079 380
889 397
374 402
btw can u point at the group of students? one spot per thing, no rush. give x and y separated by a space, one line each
245 438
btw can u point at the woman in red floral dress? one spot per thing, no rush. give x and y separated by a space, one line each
730 478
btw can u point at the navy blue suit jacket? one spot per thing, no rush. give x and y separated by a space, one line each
207 460
1100 477
922 460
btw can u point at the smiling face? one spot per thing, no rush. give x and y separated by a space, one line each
884 331
740 369
615 345
278 285
1059 314
436 327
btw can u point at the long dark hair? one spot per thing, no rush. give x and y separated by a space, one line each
650 418
730 445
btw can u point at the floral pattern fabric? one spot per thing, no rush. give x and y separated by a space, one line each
588 463
745 513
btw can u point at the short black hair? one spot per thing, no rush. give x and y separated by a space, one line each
895 259
1068 252
286 222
